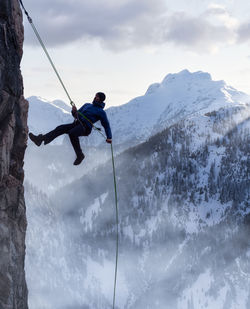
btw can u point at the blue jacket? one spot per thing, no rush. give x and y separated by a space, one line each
95 112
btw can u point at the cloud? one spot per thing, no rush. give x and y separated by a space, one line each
114 23
130 24
244 33
197 33
218 14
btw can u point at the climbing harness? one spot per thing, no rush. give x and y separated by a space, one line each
96 128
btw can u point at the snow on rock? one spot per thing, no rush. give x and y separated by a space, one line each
201 294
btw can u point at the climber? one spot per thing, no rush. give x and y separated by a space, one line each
80 127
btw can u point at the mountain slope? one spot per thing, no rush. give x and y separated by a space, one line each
184 219
184 215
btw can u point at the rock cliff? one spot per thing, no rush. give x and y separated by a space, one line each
13 138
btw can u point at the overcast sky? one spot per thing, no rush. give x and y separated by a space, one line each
120 47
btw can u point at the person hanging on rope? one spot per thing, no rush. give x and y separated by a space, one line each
87 115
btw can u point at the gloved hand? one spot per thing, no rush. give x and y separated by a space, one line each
74 111
109 140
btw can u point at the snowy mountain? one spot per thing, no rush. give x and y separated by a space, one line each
184 209
177 97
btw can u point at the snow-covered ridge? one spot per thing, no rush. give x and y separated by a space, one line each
176 97
45 115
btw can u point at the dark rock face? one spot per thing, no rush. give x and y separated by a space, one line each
13 137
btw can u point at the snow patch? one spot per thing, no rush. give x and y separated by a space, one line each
87 216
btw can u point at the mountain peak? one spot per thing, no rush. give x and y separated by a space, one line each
182 79
62 105
186 75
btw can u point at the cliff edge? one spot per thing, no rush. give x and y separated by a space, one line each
13 138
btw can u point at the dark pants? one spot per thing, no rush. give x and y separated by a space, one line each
74 130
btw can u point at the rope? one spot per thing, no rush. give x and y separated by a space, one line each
117 224
117 217
96 128
45 50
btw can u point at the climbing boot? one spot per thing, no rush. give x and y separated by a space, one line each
79 159
37 139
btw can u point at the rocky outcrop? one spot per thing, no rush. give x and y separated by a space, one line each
13 136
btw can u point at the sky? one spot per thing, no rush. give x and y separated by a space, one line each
121 47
